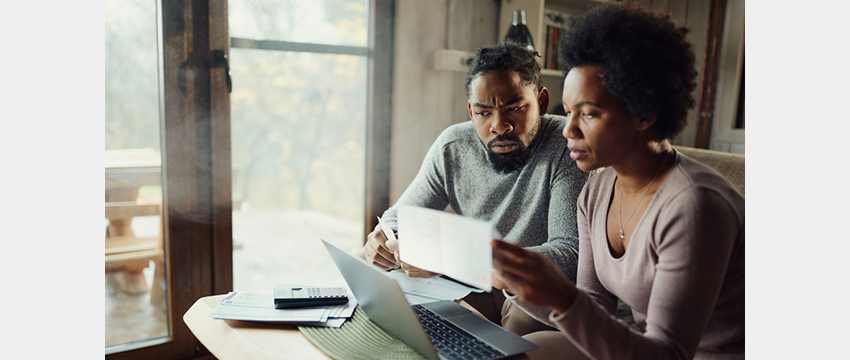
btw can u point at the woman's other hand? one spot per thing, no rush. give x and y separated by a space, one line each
532 277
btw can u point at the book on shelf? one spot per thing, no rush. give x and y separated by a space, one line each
557 23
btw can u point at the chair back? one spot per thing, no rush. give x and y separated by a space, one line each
729 165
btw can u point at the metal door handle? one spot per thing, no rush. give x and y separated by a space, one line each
220 60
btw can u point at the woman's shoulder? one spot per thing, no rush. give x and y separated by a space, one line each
690 181
597 186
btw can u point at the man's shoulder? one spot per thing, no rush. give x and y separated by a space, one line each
551 131
460 131
550 145
460 134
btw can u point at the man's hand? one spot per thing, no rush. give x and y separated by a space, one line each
416 272
411 271
531 277
378 253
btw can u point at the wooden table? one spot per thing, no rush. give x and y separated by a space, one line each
229 339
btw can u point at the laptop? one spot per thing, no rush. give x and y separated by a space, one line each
437 330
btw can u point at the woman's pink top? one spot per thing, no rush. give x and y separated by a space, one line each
682 274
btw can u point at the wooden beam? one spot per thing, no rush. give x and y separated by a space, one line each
126 210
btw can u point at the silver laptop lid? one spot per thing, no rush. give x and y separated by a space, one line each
382 300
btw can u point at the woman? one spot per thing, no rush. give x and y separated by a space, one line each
661 232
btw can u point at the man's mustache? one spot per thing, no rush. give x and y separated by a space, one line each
504 137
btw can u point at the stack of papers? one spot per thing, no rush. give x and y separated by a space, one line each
260 307
425 290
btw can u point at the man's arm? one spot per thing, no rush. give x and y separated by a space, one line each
426 190
562 245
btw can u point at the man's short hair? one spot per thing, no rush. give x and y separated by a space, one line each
507 55
644 58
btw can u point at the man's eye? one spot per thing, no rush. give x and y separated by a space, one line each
589 116
483 113
568 113
514 108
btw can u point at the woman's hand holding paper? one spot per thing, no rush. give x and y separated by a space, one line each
531 277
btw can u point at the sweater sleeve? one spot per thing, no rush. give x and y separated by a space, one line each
587 280
428 188
693 252
561 246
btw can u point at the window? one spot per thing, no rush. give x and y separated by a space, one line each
298 135
165 125
135 303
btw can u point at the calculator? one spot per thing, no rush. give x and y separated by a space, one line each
296 297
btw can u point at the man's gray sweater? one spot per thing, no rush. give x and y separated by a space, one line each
534 207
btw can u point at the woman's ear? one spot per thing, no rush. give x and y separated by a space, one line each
543 100
646 122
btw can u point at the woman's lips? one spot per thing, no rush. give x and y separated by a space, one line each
503 147
577 154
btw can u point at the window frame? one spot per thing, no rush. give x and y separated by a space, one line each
197 208
195 125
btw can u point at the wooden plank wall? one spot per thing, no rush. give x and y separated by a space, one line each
724 137
694 15
425 100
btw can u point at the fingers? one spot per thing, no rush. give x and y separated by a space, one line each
513 259
498 283
507 250
415 272
392 245
377 252
380 258
510 283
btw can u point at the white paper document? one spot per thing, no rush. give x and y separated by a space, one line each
425 290
447 243
260 307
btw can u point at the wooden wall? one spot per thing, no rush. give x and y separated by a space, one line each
694 14
425 100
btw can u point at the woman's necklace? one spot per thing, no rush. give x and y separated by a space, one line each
623 192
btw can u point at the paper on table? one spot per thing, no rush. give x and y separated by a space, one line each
424 290
344 310
260 307
248 306
447 243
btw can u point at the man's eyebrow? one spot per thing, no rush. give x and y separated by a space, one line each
508 103
512 101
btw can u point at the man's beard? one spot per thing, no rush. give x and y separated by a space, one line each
508 162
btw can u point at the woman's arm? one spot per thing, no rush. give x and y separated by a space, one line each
696 233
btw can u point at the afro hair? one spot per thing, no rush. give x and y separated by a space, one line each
645 60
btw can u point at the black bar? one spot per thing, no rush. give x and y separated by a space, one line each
299 47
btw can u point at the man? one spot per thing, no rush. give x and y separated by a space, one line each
509 165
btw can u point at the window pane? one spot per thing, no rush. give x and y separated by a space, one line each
298 146
135 292
333 22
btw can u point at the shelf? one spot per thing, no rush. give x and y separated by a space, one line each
535 12
550 72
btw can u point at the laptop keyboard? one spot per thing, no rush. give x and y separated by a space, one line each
450 341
